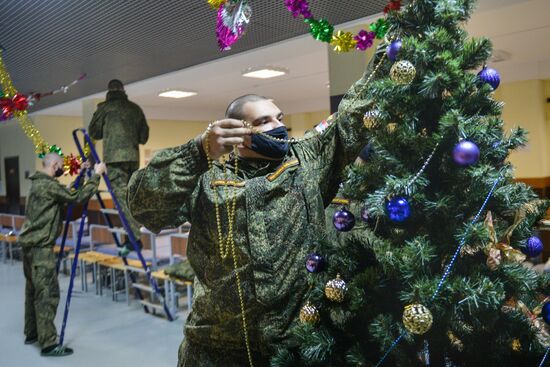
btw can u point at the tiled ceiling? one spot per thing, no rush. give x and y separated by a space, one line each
50 43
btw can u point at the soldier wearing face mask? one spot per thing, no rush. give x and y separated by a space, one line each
42 226
279 193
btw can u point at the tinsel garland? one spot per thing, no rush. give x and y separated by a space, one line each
41 147
234 15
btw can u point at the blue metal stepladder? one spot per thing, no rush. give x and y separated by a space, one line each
126 226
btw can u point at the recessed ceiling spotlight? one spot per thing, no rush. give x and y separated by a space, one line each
264 72
174 93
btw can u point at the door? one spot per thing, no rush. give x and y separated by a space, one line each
13 193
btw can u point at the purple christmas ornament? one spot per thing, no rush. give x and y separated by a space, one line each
533 247
315 263
393 49
545 312
489 76
398 209
465 153
343 220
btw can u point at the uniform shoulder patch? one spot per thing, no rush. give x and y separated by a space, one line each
325 124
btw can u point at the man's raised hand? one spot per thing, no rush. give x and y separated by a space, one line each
222 135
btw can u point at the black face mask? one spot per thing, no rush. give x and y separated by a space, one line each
59 172
268 147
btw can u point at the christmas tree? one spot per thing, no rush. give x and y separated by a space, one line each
437 277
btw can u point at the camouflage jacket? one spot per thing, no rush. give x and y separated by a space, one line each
43 220
279 219
122 126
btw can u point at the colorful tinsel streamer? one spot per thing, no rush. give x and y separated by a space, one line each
233 16
228 31
9 91
18 110
341 41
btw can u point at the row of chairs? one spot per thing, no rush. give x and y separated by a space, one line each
99 259
100 265
10 226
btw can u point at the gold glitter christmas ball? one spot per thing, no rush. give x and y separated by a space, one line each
390 128
335 289
516 345
455 342
370 119
402 72
309 314
417 319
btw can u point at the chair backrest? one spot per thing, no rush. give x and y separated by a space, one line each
18 221
100 234
6 220
146 240
178 242
185 227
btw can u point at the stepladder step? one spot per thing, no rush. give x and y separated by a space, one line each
109 211
143 287
118 230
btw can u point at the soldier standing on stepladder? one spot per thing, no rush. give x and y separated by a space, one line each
122 126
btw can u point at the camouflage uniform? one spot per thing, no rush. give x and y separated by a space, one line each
41 228
279 219
122 126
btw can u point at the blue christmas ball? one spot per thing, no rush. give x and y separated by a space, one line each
489 76
398 209
466 153
546 312
393 49
533 247
343 220
315 263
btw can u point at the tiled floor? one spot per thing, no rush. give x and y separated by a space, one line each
101 332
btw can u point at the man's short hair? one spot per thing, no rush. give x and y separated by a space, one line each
115 84
235 108
50 158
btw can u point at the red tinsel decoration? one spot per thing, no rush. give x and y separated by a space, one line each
71 164
394 5
6 108
20 102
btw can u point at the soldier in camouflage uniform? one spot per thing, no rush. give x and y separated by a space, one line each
122 126
281 195
41 228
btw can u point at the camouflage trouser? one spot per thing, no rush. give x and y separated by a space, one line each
197 355
41 294
119 174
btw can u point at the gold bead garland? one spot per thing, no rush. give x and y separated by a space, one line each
308 313
299 140
227 245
